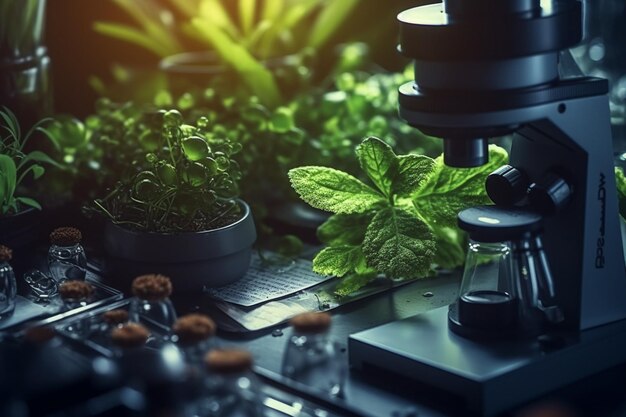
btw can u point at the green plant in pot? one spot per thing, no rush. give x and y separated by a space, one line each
176 210
19 165
262 43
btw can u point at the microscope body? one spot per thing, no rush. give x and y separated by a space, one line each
562 137
483 69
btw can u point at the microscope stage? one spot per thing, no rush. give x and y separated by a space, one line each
490 376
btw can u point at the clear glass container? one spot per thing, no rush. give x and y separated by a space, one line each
8 290
159 311
487 297
315 360
67 262
488 272
230 390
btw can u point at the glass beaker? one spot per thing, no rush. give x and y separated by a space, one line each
487 298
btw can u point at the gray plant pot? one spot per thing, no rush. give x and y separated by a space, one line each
210 258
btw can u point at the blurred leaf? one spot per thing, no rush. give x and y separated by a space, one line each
259 79
29 202
334 14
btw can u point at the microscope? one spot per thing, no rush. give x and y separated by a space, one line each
543 300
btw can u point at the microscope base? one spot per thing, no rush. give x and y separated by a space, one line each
490 376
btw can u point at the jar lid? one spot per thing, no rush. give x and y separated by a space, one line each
152 287
228 361
312 322
194 328
65 236
118 316
75 290
5 253
130 335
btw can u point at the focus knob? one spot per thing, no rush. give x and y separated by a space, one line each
506 185
550 194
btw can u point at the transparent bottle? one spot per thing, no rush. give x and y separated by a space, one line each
230 387
312 357
8 286
487 295
151 301
66 256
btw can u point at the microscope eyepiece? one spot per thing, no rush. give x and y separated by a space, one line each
465 153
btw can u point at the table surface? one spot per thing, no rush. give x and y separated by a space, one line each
383 395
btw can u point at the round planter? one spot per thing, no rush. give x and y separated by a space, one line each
210 258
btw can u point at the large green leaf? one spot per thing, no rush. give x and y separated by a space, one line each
338 260
334 14
332 190
344 229
399 244
353 282
448 190
412 171
379 163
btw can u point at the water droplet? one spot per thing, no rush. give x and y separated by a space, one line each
277 333
427 294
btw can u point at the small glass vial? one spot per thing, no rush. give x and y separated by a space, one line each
8 286
231 389
151 300
76 294
311 357
194 335
66 256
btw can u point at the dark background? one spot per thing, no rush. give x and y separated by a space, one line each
77 52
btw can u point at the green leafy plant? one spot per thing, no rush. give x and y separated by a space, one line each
17 163
182 177
243 38
401 226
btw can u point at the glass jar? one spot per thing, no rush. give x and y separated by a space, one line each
8 286
312 357
230 387
76 294
66 256
151 301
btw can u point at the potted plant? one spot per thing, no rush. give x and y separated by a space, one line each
18 212
175 209
258 41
